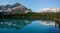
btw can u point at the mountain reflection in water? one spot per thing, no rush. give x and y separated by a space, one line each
27 26
13 23
48 23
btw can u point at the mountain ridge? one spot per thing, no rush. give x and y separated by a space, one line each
13 9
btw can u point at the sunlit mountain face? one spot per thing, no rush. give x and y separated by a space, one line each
13 9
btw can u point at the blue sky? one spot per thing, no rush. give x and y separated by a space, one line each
34 5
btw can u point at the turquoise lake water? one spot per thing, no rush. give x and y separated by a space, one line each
28 26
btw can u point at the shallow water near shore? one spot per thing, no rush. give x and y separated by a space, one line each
27 26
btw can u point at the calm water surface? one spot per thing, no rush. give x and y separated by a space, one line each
28 26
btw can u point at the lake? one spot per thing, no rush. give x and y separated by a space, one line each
28 26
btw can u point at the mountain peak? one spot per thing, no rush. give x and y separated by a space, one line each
50 10
14 9
17 4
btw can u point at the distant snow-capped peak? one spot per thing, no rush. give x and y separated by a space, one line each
50 10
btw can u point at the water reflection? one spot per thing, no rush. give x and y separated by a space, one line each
13 23
28 26
19 23
48 23
37 27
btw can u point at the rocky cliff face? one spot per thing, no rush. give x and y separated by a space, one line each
14 9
